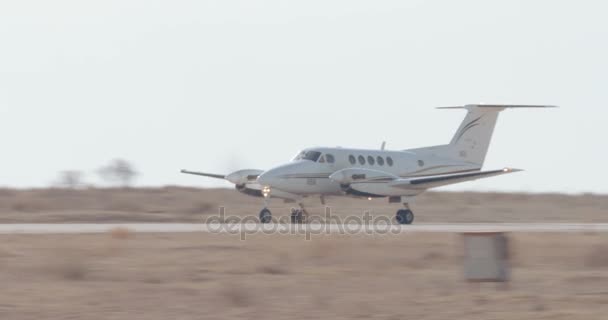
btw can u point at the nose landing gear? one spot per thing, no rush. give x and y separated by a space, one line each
265 216
405 216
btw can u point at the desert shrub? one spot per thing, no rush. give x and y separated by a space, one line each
273 269
199 207
124 205
597 257
68 266
236 295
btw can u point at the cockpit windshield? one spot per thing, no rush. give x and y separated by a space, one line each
308 155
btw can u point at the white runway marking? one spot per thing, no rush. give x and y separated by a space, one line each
301 228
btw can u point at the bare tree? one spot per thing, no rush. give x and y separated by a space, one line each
118 171
70 179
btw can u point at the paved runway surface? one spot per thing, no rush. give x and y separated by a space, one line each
293 228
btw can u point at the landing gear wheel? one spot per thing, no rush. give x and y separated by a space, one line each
265 216
297 216
405 216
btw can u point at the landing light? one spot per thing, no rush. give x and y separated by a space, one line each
506 169
369 198
266 191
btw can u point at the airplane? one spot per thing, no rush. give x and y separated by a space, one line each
398 175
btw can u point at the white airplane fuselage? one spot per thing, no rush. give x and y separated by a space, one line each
308 177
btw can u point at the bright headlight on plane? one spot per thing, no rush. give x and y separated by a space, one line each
266 191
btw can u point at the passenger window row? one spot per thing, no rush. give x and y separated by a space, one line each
370 160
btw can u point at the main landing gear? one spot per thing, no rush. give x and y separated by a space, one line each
405 216
298 215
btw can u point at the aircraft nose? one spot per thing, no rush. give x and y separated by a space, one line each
268 178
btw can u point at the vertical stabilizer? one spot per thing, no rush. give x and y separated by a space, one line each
471 141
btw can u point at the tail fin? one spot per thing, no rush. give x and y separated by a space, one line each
472 139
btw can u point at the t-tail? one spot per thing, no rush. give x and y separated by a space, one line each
471 141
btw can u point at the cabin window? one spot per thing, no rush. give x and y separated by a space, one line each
380 160
389 161
312 155
330 158
299 156
370 160
420 163
361 160
352 159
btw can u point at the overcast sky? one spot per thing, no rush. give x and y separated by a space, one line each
221 85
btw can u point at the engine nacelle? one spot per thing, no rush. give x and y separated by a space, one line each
368 183
250 189
254 189
243 177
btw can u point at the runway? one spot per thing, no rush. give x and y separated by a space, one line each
79 228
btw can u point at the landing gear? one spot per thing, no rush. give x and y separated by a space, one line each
297 216
265 216
405 216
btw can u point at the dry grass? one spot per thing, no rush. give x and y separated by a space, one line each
597 256
73 268
176 204
279 267
201 208
188 276
236 295
67 263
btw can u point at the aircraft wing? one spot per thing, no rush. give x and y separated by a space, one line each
245 182
442 180
210 175
373 183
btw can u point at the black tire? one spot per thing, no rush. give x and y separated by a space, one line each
265 216
405 216
297 216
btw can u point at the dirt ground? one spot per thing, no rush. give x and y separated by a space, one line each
176 204
122 275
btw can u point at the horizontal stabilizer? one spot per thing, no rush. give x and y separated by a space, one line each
499 106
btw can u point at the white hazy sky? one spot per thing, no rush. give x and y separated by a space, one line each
221 85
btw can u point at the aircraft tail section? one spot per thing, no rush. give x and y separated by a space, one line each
471 141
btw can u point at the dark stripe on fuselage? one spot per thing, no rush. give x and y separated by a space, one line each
467 127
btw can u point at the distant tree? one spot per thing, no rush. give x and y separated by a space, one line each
118 171
70 179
